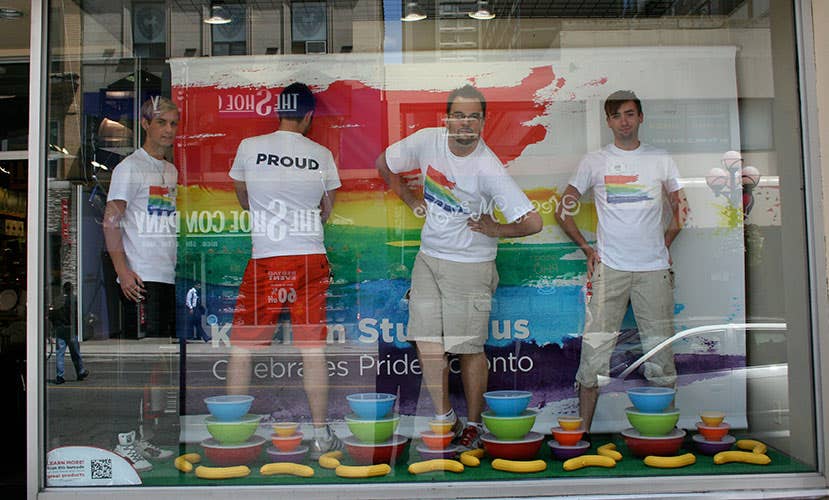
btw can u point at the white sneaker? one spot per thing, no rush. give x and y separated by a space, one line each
151 451
127 449
322 445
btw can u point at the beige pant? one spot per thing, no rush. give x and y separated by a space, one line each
652 296
450 303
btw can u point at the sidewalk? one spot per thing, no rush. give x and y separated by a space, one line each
151 346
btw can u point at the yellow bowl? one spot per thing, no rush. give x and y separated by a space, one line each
285 429
570 423
440 426
712 418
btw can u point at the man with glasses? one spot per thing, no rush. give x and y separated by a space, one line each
454 274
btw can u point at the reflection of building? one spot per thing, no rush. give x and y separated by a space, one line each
107 56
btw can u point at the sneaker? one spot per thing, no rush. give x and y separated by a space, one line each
151 451
127 449
320 446
83 375
59 380
470 437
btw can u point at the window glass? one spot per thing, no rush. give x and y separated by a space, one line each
282 229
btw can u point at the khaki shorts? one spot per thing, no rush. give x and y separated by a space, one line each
450 303
651 293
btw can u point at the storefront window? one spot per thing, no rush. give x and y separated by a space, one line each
285 230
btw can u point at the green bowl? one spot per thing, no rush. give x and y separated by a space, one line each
653 424
370 430
509 428
232 432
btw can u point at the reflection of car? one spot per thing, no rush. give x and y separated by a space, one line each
754 397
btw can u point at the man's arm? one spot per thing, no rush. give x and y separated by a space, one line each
395 182
327 204
131 284
564 217
242 194
679 215
527 224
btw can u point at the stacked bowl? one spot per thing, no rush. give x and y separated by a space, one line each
567 440
654 429
510 424
287 443
372 426
713 436
233 429
437 441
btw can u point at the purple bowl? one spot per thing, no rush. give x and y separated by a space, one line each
713 447
567 452
296 456
429 454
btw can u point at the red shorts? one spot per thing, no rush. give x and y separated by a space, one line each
270 286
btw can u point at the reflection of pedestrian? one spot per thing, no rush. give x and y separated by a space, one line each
63 321
195 311
631 261
454 274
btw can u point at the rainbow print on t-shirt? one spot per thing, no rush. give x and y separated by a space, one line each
438 190
162 200
621 189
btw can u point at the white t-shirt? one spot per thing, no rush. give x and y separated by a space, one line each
628 191
456 188
286 175
148 185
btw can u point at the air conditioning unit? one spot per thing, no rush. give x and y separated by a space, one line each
316 47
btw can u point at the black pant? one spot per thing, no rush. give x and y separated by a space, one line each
194 324
155 316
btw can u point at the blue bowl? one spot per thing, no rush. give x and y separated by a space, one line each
229 408
507 403
651 399
371 405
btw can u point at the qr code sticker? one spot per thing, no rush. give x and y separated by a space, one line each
102 469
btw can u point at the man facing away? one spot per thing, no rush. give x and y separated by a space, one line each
140 233
195 312
631 261
288 182
454 274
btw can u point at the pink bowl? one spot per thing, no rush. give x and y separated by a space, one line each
713 432
386 452
428 454
297 455
436 441
713 447
567 438
523 449
568 452
642 446
233 454
286 443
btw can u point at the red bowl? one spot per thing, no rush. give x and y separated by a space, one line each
567 438
234 454
286 443
713 432
642 446
436 441
523 449
386 452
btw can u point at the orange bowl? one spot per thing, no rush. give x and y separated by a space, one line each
435 441
567 438
285 429
570 423
713 432
286 443
441 426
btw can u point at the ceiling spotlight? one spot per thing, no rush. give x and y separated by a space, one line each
482 13
7 13
413 13
217 16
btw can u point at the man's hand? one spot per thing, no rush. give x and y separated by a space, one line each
131 285
485 224
593 260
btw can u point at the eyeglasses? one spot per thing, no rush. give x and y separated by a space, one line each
475 117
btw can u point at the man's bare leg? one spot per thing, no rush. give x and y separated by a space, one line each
315 383
475 376
239 371
588 396
435 374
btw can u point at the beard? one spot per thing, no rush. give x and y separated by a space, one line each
464 137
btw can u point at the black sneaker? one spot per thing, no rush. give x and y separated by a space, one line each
83 375
59 380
